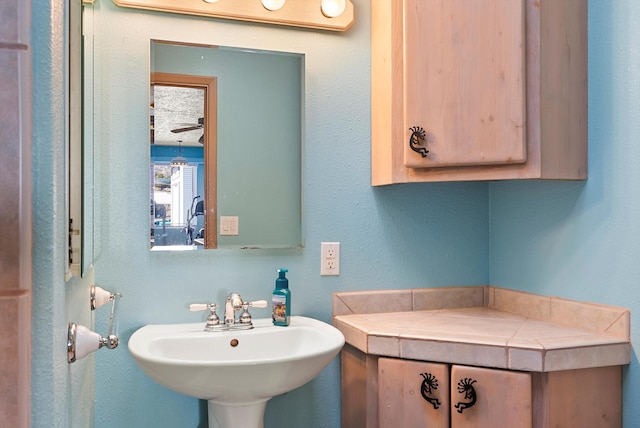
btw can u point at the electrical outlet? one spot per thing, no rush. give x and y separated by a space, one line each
330 258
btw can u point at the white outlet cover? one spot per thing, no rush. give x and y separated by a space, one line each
330 258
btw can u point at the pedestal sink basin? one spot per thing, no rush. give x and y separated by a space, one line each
236 371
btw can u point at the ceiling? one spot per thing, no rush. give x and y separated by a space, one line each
176 107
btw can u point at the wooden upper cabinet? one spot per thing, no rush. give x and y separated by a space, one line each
492 89
464 68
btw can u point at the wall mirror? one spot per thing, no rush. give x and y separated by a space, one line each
79 142
225 147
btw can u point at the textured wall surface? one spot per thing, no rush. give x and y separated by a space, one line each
582 240
61 394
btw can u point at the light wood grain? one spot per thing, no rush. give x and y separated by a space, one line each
556 96
400 400
359 386
464 81
503 398
578 398
383 392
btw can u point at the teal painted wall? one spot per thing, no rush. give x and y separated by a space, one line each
62 395
582 240
400 237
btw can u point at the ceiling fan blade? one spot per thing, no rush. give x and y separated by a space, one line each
188 128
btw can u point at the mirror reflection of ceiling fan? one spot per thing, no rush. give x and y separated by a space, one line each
191 127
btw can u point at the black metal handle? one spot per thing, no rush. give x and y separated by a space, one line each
466 386
418 137
429 383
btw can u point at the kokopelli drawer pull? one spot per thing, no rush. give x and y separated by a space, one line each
465 386
417 139
429 383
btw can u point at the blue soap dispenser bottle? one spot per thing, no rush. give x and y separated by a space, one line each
281 300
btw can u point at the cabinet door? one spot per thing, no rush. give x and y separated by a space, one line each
488 398
464 65
412 394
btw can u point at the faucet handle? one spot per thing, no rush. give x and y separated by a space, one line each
245 317
258 304
196 307
213 322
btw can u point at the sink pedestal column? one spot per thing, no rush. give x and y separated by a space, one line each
245 415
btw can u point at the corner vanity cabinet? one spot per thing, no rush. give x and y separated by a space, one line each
478 90
480 357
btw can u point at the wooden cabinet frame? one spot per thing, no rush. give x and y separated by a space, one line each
569 398
556 98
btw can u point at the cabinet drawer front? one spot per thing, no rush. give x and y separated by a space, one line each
412 394
498 398
464 71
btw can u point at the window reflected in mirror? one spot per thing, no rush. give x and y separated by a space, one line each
225 148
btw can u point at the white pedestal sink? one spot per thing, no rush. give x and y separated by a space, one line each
236 371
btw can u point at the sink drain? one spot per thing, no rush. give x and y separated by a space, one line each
234 343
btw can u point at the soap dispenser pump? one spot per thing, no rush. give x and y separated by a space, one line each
281 300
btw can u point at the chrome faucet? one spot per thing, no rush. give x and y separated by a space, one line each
234 303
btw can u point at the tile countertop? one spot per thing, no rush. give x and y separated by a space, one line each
484 326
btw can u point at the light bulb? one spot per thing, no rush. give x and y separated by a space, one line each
273 4
333 8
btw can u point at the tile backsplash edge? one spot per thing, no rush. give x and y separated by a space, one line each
420 299
610 320
339 307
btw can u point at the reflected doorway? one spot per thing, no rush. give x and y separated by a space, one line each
183 140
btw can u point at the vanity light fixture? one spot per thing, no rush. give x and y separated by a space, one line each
333 8
334 15
179 160
273 4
